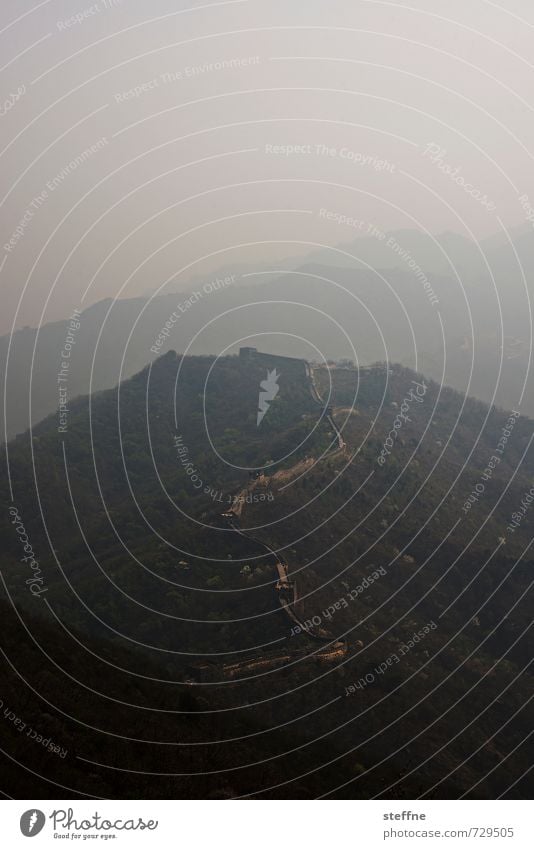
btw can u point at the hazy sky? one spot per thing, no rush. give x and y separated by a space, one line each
144 143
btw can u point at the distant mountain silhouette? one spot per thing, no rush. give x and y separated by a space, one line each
342 307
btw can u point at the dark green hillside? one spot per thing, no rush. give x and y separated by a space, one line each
131 529
90 703
137 562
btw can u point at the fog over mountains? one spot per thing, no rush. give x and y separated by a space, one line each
267 275
452 309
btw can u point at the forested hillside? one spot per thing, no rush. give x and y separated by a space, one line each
150 626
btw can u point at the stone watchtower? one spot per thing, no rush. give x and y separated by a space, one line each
247 353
